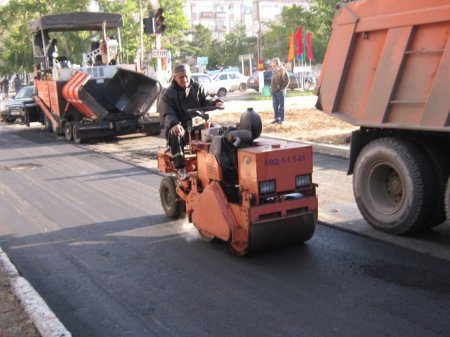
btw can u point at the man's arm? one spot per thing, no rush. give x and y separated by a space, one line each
169 111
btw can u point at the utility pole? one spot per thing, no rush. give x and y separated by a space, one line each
260 62
141 36
257 28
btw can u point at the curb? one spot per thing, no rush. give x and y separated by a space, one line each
43 318
342 151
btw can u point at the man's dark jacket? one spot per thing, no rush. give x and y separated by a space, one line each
176 100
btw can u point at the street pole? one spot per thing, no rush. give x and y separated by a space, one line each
141 36
258 33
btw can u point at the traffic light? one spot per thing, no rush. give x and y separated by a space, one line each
159 21
149 25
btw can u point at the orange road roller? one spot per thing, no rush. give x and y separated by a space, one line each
252 193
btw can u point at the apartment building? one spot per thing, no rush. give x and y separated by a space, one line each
221 16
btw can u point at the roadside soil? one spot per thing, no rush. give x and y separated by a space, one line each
306 124
14 322
300 124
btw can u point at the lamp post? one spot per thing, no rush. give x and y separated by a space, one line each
257 29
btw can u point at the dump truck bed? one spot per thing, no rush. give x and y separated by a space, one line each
388 65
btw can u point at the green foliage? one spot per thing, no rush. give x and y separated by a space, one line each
201 41
16 51
227 52
16 47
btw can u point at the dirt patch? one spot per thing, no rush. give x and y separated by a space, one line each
14 322
300 124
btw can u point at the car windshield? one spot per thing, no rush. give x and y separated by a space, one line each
25 92
202 79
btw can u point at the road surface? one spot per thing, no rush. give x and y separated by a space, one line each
88 232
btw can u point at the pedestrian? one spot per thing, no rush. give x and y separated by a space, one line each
5 84
278 84
17 83
183 93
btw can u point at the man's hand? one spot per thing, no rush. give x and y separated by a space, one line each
177 130
220 105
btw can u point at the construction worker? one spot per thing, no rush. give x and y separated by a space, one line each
182 94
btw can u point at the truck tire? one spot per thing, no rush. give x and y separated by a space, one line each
447 200
171 203
392 185
438 158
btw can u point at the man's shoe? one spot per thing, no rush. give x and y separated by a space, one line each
273 122
182 174
280 122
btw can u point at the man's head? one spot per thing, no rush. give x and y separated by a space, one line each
182 75
276 62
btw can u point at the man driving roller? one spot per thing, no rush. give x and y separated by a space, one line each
183 93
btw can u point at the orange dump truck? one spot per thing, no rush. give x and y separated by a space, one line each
387 70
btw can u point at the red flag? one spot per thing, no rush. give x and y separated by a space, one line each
299 40
309 47
291 54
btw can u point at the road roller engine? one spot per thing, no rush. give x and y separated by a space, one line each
252 193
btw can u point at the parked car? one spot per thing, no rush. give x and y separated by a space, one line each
22 106
230 81
294 80
211 86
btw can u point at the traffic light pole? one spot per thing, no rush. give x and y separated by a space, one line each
141 36
158 60
258 33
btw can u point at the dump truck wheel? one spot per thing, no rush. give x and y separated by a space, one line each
68 131
391 184
76 134
438 158
447 200
173 206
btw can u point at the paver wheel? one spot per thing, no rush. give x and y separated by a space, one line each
68 131
76 133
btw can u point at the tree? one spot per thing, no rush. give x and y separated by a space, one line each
226 53
323 12
201 41
16 49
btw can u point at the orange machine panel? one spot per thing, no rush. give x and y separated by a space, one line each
281 162
48 93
